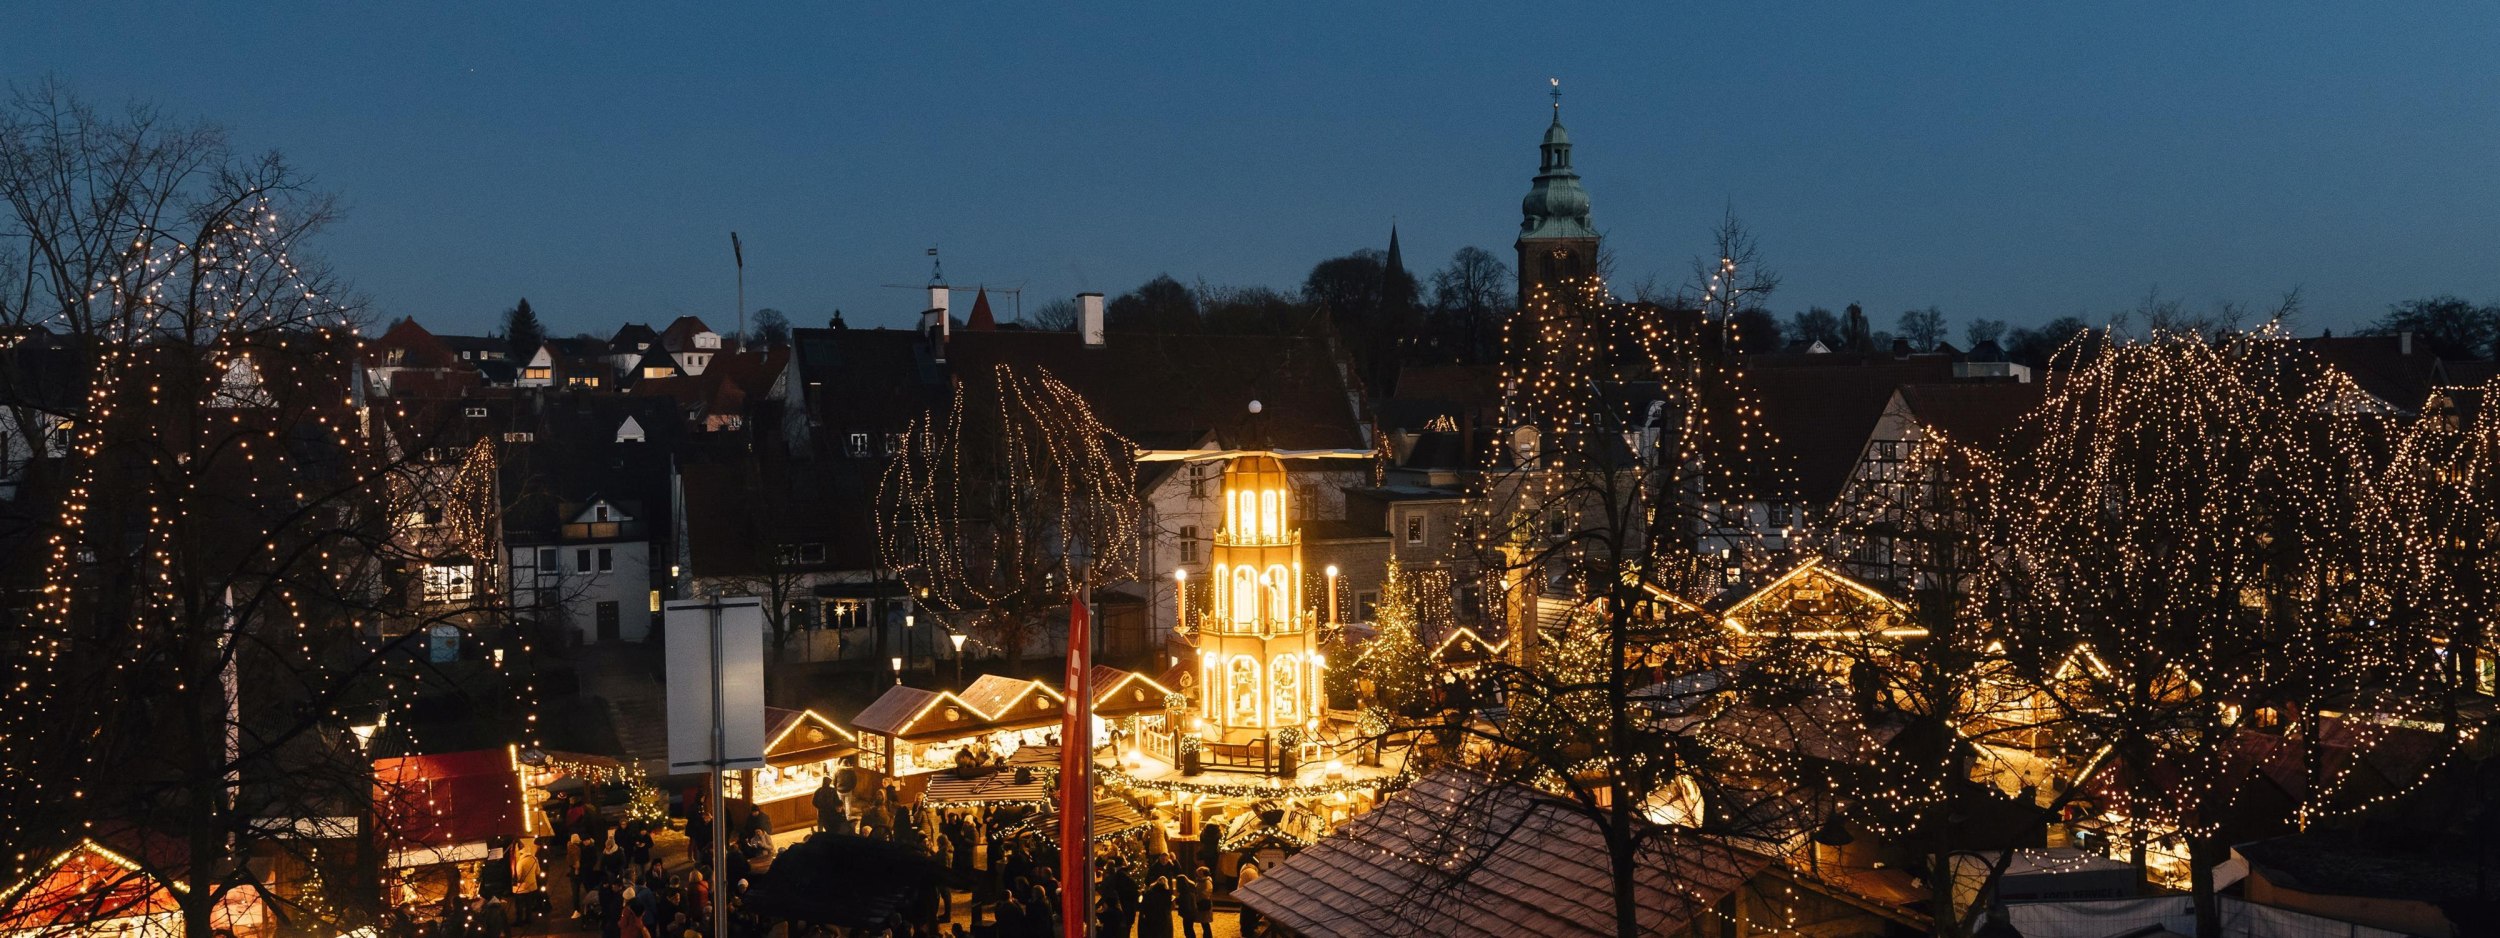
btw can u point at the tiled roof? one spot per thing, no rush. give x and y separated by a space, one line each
1821 413
2398 370
1983 414
1165 390
1456 855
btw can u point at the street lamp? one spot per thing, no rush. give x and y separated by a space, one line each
907 631
365 732
958 639
898 670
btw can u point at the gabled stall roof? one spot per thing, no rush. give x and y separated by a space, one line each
798 736
1120 692
1457 855
1743 615
1007 701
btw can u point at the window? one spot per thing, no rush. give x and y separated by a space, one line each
859 444
655 600
1782 514
1199 473
547 562
581 560
476 411
607 559
1414 528
1366 603
450 582
1189 543
893 443
599 513
538 374
811 553
1887 449
520 436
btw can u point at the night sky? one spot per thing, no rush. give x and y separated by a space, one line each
2009 160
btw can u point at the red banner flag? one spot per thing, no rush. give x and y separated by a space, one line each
1076 779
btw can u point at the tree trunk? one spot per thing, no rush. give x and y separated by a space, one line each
2201 884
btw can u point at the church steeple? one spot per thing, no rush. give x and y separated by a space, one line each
1555 240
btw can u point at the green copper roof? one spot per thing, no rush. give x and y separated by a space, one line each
1556 207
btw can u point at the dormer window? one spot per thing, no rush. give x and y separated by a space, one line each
599 513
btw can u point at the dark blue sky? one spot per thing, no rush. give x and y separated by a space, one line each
2017 161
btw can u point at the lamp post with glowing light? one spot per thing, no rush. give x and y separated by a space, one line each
907 633
958 639
898 669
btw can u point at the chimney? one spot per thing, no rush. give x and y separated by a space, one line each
1089 318
937 314
933 322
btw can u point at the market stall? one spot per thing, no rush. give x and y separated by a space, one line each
1132 713
439 817
802 751
910 731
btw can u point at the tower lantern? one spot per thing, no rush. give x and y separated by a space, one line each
1259 659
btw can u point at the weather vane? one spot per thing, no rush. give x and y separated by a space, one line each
1557 93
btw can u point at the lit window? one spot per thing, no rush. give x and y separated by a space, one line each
450 583
1415 528
655 600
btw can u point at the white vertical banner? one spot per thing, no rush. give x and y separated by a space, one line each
696 628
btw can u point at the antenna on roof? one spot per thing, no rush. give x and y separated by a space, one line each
937 267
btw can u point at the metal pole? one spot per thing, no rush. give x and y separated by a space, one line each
720 807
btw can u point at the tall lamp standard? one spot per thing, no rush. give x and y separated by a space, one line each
1180 601
907 631
898 670
958 639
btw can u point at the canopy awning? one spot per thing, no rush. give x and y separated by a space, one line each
948 789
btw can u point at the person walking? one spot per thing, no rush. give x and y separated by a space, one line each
1195 897
1119 901
1249 919
1154 909
828 804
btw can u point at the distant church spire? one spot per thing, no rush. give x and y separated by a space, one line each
1555 240
1395 265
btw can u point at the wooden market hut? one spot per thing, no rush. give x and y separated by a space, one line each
802 750
906 721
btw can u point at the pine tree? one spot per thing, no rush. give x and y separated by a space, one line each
1396 662
522 332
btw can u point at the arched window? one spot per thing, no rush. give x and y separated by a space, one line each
1279 594
1241 688
1245 596
1286 695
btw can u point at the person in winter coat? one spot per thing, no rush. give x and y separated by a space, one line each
828 804
1154 909
1249 919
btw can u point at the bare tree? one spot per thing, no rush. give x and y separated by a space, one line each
1058 315
1625 452
991 505
1468 299
241 551
2201 567
1924 328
